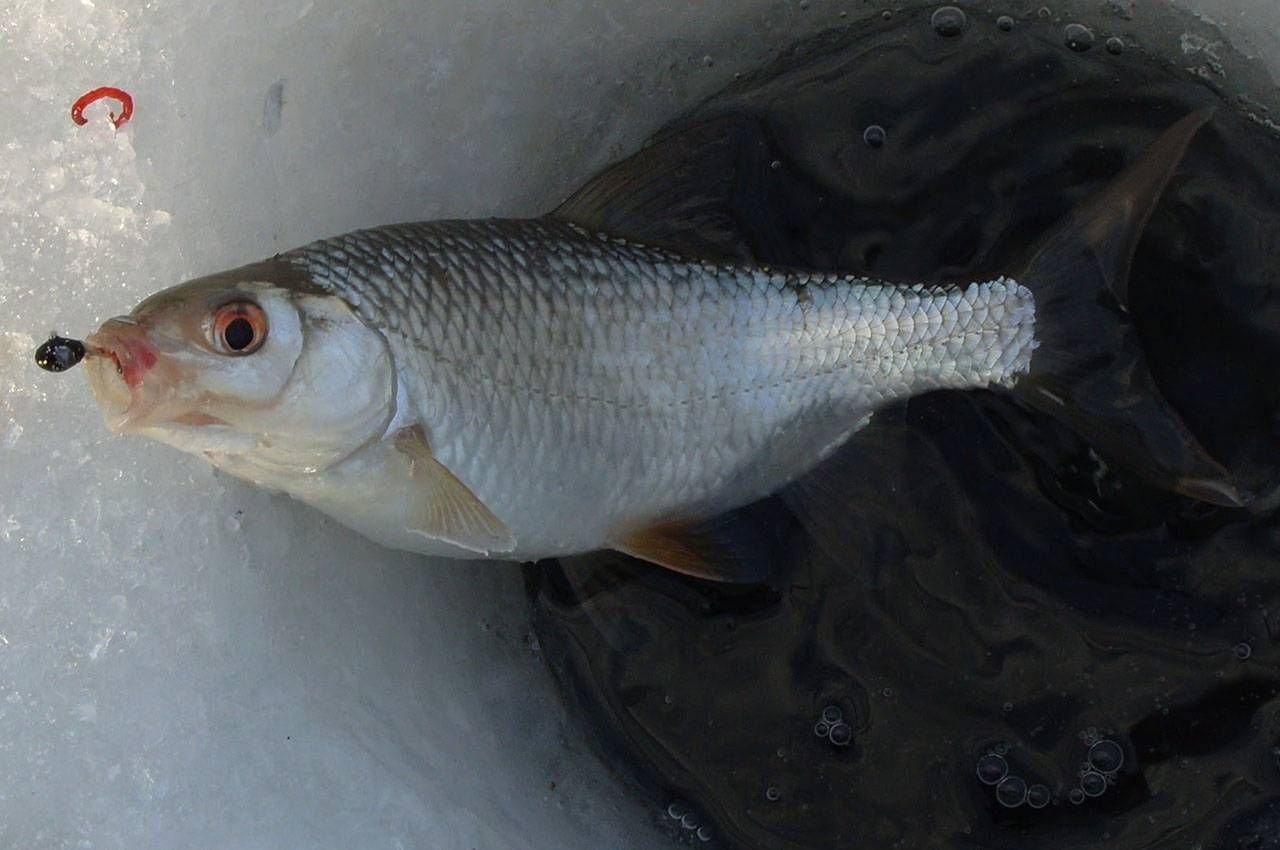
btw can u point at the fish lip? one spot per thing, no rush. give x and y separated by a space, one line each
117 400
134 398
97 351
124 341
137 382
118 394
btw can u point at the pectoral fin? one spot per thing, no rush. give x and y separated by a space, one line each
727 548
446 509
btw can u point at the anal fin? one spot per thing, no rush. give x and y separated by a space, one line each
446 509
725 548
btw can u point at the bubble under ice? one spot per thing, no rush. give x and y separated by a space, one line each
182 656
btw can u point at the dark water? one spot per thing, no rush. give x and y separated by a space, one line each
1005 596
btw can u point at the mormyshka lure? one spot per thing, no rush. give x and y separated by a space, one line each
58 354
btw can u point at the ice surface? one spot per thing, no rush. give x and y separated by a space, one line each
184 661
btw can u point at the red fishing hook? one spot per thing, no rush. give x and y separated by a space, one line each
126 104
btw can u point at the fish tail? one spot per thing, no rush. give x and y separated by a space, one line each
1088 368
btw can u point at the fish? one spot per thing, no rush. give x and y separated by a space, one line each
618 374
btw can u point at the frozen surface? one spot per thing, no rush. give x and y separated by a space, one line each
186 662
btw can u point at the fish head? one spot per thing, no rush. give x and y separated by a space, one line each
253 368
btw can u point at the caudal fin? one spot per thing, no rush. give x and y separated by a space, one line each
1089 369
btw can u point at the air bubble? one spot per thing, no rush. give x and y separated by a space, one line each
1243 651
1093 784
1038 796
1011 792
704 834
776 164
886 15
841 734
690 822
948 21
874 136
675 811
1115 45
992 768
1078 37
708 60
822 728
1008 707
1004 23
1106 756
832 714
772 794
1076 796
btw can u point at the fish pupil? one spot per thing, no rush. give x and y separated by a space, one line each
238 335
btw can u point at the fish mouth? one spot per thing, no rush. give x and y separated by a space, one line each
105 361
124 343
135 384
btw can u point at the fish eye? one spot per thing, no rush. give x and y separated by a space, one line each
239 328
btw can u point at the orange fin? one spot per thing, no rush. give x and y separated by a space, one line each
726 548
447 510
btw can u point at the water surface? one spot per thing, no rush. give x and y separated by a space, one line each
1026 644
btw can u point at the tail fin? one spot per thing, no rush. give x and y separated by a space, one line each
1089 369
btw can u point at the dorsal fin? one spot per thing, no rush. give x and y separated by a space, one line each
679 191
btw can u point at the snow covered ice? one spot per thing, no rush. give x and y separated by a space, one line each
185 661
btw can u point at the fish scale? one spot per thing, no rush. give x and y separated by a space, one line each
509 335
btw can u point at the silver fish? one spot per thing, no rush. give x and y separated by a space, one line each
522 389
